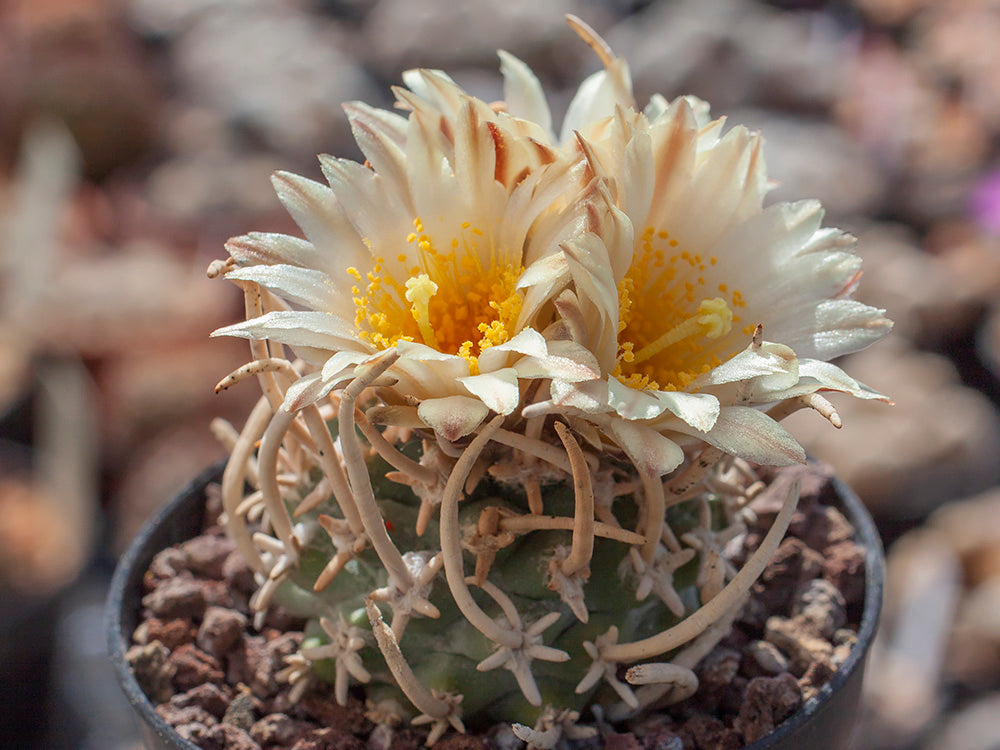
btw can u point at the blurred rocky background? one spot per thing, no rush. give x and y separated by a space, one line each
137 135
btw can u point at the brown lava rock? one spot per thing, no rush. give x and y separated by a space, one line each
328 738
844 567
220 630
193 667
171 633
792 565
768 701
207 697
708 733
179 597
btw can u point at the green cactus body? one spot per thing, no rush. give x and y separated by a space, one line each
444 652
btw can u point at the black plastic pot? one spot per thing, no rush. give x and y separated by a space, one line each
825 722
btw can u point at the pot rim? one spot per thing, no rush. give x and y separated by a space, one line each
140 552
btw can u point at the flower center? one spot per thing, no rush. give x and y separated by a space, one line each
458 301
673 321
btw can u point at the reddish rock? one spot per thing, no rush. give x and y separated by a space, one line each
238 575
844 567
166 564
272 661
171 633
663 739
206 555
242 659
194 667
328 738
612 741
232 738
178 716
279 729
201 735
220 630
768 702
792 564
715 674
821 527
707 733
208 697
177 598
452 741
324 709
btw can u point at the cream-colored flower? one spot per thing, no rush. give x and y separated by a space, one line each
444 246
700 304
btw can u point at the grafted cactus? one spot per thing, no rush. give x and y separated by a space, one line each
530 375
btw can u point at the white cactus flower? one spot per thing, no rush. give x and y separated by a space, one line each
444 246
700 304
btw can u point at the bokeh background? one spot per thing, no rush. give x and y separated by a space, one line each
137 135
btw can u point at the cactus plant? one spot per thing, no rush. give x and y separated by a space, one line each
514 385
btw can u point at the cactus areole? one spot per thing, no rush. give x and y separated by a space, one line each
513 387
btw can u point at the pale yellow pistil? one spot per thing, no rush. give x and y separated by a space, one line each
671 310
714 319
419 290
459 298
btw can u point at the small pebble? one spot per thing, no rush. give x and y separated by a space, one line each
768 702
240 712
171 633
820 604
220 630
177 598
208 697
329 738
152 670
280 729
237 574
232 738
194 667
767 656
166 564
797 640
792 564
179 715
206 555
844 567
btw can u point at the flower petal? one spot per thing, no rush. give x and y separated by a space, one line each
566 361
774 361
309 328
306 390
750 434
590 396
651 452
523 93
302 286
263 247
497 389
699 410
452 417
